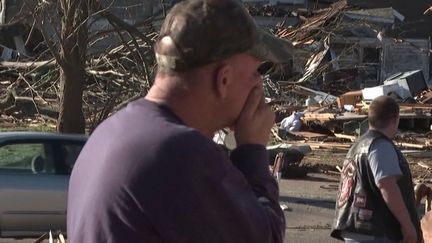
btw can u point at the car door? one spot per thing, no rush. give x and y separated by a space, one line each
33 188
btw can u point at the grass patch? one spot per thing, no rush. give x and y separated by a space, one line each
29 126
19 156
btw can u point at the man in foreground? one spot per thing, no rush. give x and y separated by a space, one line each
375 202
151 173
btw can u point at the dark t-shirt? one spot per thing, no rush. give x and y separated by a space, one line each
144 176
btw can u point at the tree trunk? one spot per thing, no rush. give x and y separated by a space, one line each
72 66
71 116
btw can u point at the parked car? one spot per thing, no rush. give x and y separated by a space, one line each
34 177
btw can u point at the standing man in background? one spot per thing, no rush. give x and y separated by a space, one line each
151 172
375 202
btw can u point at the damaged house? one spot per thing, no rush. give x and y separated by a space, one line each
339 48
342 49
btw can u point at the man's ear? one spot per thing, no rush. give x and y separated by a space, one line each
397 119
223 79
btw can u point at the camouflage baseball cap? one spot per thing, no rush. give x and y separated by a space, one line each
199 32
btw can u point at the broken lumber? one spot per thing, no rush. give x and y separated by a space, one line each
424 165
329 146
349 137
322 117
310 135
411 145
417 153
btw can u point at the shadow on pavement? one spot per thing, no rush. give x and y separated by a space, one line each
322 203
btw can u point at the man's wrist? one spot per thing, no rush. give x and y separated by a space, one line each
251 159
406 224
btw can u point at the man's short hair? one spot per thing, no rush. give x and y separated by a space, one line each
382 110
199 32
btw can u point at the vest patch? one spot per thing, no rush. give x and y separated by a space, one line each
360 200
347 179
365 214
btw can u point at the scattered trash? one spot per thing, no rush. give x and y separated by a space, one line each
284 206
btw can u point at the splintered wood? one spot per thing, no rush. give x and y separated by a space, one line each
325 117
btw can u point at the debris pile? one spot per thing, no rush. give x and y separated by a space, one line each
117 72
342 58
332 123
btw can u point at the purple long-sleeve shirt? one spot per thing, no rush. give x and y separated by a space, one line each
144 176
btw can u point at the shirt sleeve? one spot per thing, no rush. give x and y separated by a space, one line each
253 161
200 195
383 160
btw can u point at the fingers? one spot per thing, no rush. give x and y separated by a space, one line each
253 102
409 239
255 120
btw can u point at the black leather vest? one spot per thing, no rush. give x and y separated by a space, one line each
360 207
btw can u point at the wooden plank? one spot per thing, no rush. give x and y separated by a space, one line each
417 153
310 135
424 165
416 106
329 145
349 137
351 117
411 145
315 109
322 117
413 115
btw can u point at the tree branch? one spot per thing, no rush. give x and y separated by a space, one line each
39 22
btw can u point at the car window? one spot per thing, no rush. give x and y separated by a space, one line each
67 155
31 158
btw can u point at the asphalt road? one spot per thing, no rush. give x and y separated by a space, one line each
310 209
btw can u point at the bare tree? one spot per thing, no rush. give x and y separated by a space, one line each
70 55
66 34
72 64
